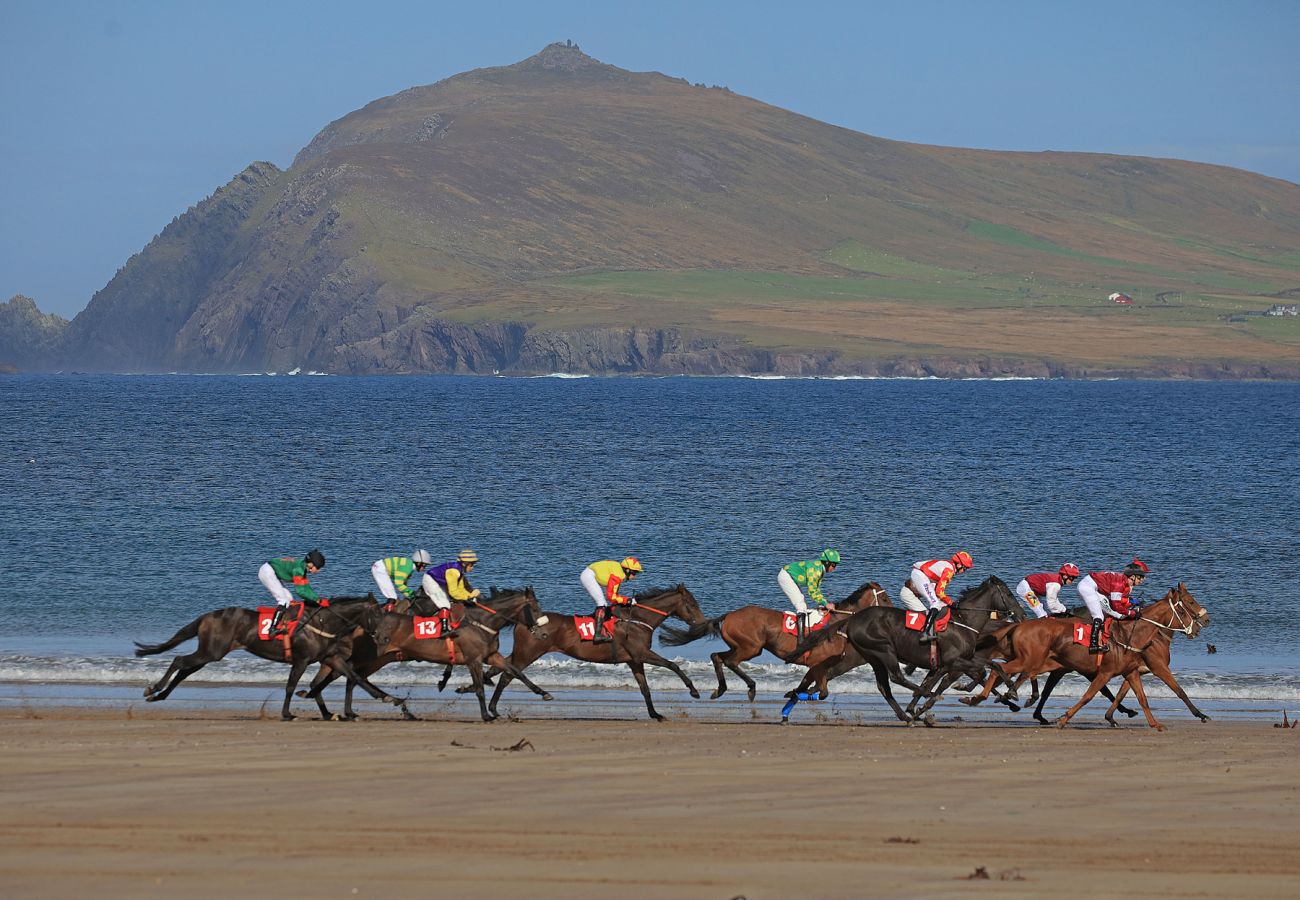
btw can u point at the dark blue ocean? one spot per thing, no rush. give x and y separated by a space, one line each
130 504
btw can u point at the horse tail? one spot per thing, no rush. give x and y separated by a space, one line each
189 631
674 636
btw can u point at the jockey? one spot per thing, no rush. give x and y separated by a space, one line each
929 581
448 582
1107 593
602 580
1046 585
289 570
393 573
808 573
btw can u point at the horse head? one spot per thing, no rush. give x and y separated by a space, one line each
1186 614
675 601
868 594
994 595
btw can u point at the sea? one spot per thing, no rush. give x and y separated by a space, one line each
129 505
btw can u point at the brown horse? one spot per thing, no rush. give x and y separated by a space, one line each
633 634
476 642
324 634
752 629
1047 646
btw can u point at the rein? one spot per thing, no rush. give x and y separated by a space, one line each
1186 628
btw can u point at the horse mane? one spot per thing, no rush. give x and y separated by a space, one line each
494 592
353 598
992 582
857 594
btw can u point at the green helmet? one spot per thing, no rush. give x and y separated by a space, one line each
830 556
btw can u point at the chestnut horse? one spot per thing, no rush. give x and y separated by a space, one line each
323 634
1048 646
633 634
752 629
474 643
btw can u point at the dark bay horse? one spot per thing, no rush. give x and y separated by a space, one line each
881 638
750 630
324 633
633 635
476 641
1049 647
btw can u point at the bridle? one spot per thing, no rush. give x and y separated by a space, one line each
1176 609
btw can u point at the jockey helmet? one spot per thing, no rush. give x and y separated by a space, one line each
830 557
1069 570
1137 567
962 558
632 564
316 558
467 557
421 557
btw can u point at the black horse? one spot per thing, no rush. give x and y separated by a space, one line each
881 638
324 633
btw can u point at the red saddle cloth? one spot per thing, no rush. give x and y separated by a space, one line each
429 627
1083 632
586 626
266 613
790 623
915 621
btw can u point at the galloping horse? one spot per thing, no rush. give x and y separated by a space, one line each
750 630
633 633
476 641
324 633
880 636
1048 645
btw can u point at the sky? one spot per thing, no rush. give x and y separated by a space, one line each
116 117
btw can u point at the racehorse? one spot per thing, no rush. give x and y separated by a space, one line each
881 638
633 633
1049 647
750 630
475 642
323 633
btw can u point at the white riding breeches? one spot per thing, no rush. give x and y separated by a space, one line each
273 585
1098 603
910 600
791 591
434 592
588 579
385 582
1041 607
924 588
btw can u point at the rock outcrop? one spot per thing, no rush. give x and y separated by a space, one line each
28 337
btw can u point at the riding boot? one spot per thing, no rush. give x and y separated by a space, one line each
277 621
1094 642
599 621
927 633
445 616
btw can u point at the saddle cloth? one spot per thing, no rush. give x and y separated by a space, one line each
915 621
1083 631
266 613
430 627
586 626
817 619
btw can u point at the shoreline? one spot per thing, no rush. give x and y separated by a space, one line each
213 803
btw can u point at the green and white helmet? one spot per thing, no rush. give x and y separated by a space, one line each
830 556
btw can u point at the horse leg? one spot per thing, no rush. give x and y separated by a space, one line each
1098 682
297 667
1033 695
721 689
882 684
1114 702
1135 680
1161 670
638 672
944 684
339 664
502 666
930 680
476 676
182 671
323 677
1053 679
446 677
984 694
649 656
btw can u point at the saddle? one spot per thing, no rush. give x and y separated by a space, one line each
915 621
430 627
790 623
291 618
1082 632
586 626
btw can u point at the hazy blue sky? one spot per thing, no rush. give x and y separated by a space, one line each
117 116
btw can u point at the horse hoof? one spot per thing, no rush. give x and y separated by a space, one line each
1111 722
301 693
657 717
151 698
1062 722
546 696
1205 718
1159 728
288 717
715 695
751 696
695 695
785 720
335 717
929 720
969 701
1131 713
1014 708
1040 720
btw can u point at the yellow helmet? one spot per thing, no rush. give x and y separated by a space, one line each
632 564
467 556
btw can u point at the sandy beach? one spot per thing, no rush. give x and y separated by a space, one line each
117 803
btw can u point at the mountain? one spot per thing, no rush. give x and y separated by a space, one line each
562 214
28 337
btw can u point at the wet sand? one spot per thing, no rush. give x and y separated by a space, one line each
200 803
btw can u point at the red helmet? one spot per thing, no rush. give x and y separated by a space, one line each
962 558
1069 569
1136 567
